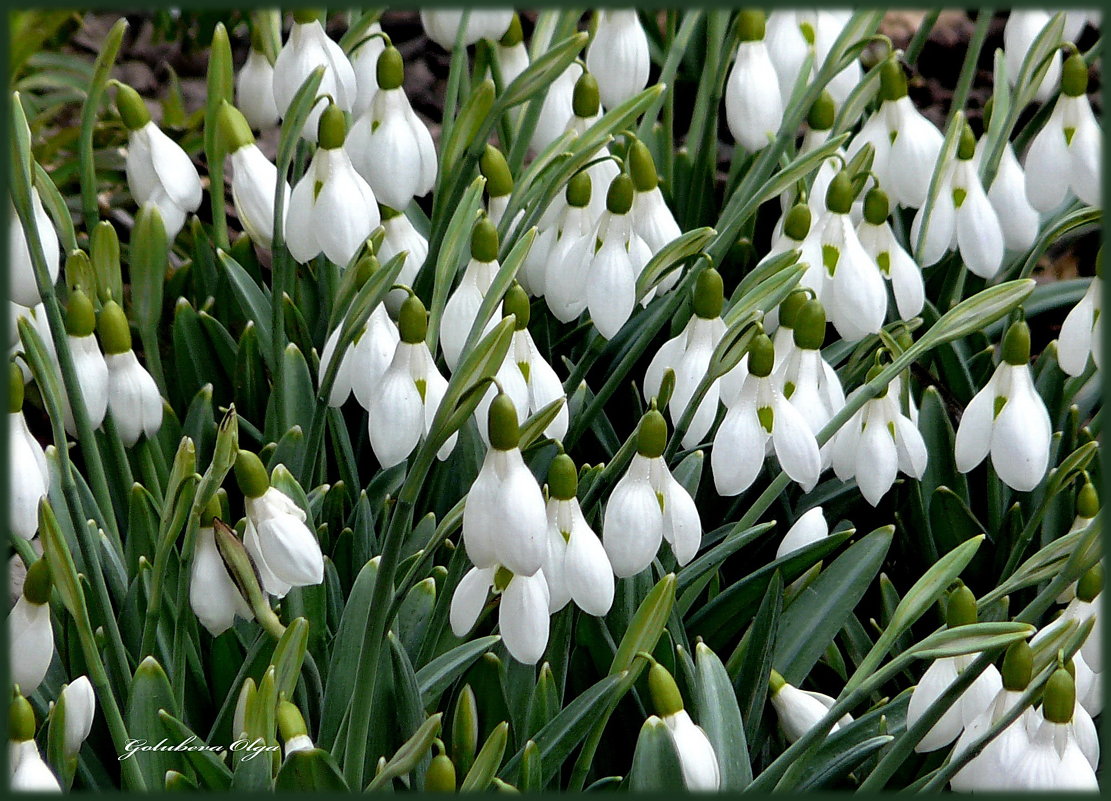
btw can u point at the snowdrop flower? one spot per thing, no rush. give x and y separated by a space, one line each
442 25
558 263
1008 419
364 61
618 56
1054 759
811 527
1066 153
962 217
404 403
295 733
688 355
283 547
1087 507
940 675
697 759
510 379
759 420
499 185
1007 194
1086 605
907 145
79 702
254 87
29 773
29 479
307 48
30 633
523 609
648 505
462 307
332 209
22 285
1081 333
511 53
1022 28
158 170
896 265
616 263
253 178
585 111
400 236
819 126
800 231
389 145
133 398
577 568
213 595
556 111
791 35
753 103
88 361
652 219
800 710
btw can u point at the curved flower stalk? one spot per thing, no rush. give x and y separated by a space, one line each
254 87
1008 419
896 265
652 219
282 546
688 355
29 773
404 400
618 56
389 144
79 702
800 710
331 209
759 420
88 361
307 48
791 35
557 266
697 758
29 479
22 287
943 672
30 633
133 398
463 305
577 567
364 61
1007 194
619 257
213 596
511 53
753 103
649 506
158 170
442 25
962 217
907 145
1022 28
1081 334
253 178
1066 154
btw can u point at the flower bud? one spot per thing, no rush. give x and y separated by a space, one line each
234 128
961 607
893 81
840 195
797 222
877 208
1059 701
516 303
37 584
21 720
15 388
967 147
578 190
114 330
1087 501
1090 584
652 434
1074 76
133 111
291 724
665 692
514 35
390 69
619 198
412 320
563 478
761 356
502 421
822 113
751 25
1016 344
790 307
810 326
332 128
80 315
494 167
1018 666
585 99
440 777
484 241
251 474
709 294
79 703
642 168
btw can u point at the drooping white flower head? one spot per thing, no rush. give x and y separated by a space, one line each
616 263
307 48
1007 194
462 307
896 265
88 362
389 145
213 596
254 179
1008 419
558 263
556 111
800 710
577 567
133 397
618 56
80 706
1081 333
401 235
759 420
158 170
652 219
753 103
1066 154
697 758
30 634
364 61
442 25
1022 28
254 88
648 505
403 403
791 35
332 209
523 617
511 53
811 527
365 362
29 773
21 282
29 478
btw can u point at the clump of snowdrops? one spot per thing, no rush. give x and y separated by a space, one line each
520 448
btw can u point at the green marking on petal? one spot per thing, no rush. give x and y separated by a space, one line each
766 417
830 257
502 578
1070 132
891 428
958 196
1000 402
807 32
660 500
883 261
316 187
788 389
422 386
565 534
524 367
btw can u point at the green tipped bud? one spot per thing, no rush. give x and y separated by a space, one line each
1074 76
578 190
365 267
1090 584
212 511
967 147
797 222
642 168
494 167
133 111
822 113
563 478
304 16
1059 700
652 435
761 356
291 723
115 331
810 326
790 307
776 682
840 195
80 315
586 100
390 69
36 585
505 435
234 128
961 608
516 303
1018 666
665 692
440 777
15 388
21 720
1016 344
332 128
251 474
750 25
513 34
619 198
484 241
877 208
1087 501
893 81
412 321
709 294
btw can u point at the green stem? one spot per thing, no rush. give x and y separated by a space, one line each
971 60
90 205
921 36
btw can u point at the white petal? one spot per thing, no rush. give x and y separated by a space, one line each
1021 436
808 529
633 524
292 551
523 618
396 414
469 598
697 759
588 574
935 681
611 288
974 431
795 446
682 525
738 452
520 537
877 461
